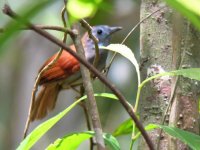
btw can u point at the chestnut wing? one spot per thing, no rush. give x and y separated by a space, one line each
62 69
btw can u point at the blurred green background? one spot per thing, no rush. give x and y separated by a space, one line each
24 54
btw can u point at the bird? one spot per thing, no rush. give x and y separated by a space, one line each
65 72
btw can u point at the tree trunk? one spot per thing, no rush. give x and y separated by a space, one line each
167 42
184 111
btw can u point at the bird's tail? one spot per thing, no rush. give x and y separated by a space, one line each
45 101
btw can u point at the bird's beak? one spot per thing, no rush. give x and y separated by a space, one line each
114 29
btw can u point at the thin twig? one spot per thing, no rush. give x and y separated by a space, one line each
57 28
127 36
39 76
35 88
7 10
46 27
166 111
86 25
63 15
87 118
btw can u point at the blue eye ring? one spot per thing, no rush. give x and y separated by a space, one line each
99 31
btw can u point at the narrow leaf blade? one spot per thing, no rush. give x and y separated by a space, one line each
191 139
124 128
192 73
191 11
127 53
111 141
73 141
37 133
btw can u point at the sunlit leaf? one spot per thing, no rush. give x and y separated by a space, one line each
192 5
189 8
192 73
82 8
126 52
72 141
37 133
106 95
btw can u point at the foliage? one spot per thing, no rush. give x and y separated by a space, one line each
37 133
124 128
14 26
190 9
127 53
72 141
88 8
191 139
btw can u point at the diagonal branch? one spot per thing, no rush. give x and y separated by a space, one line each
46 27
7 10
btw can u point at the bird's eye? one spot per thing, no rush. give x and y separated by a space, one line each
99 31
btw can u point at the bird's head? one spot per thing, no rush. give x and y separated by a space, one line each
103 33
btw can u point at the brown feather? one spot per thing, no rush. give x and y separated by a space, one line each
45 101
63 68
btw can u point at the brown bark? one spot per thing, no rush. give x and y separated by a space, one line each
168 42
184 112
156 55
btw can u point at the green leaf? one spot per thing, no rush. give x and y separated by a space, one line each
192 73
124 128
111 141
82 8
127 126
72 141
106 95
192 5
37 133
189 8
13 26
191 139
126 52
